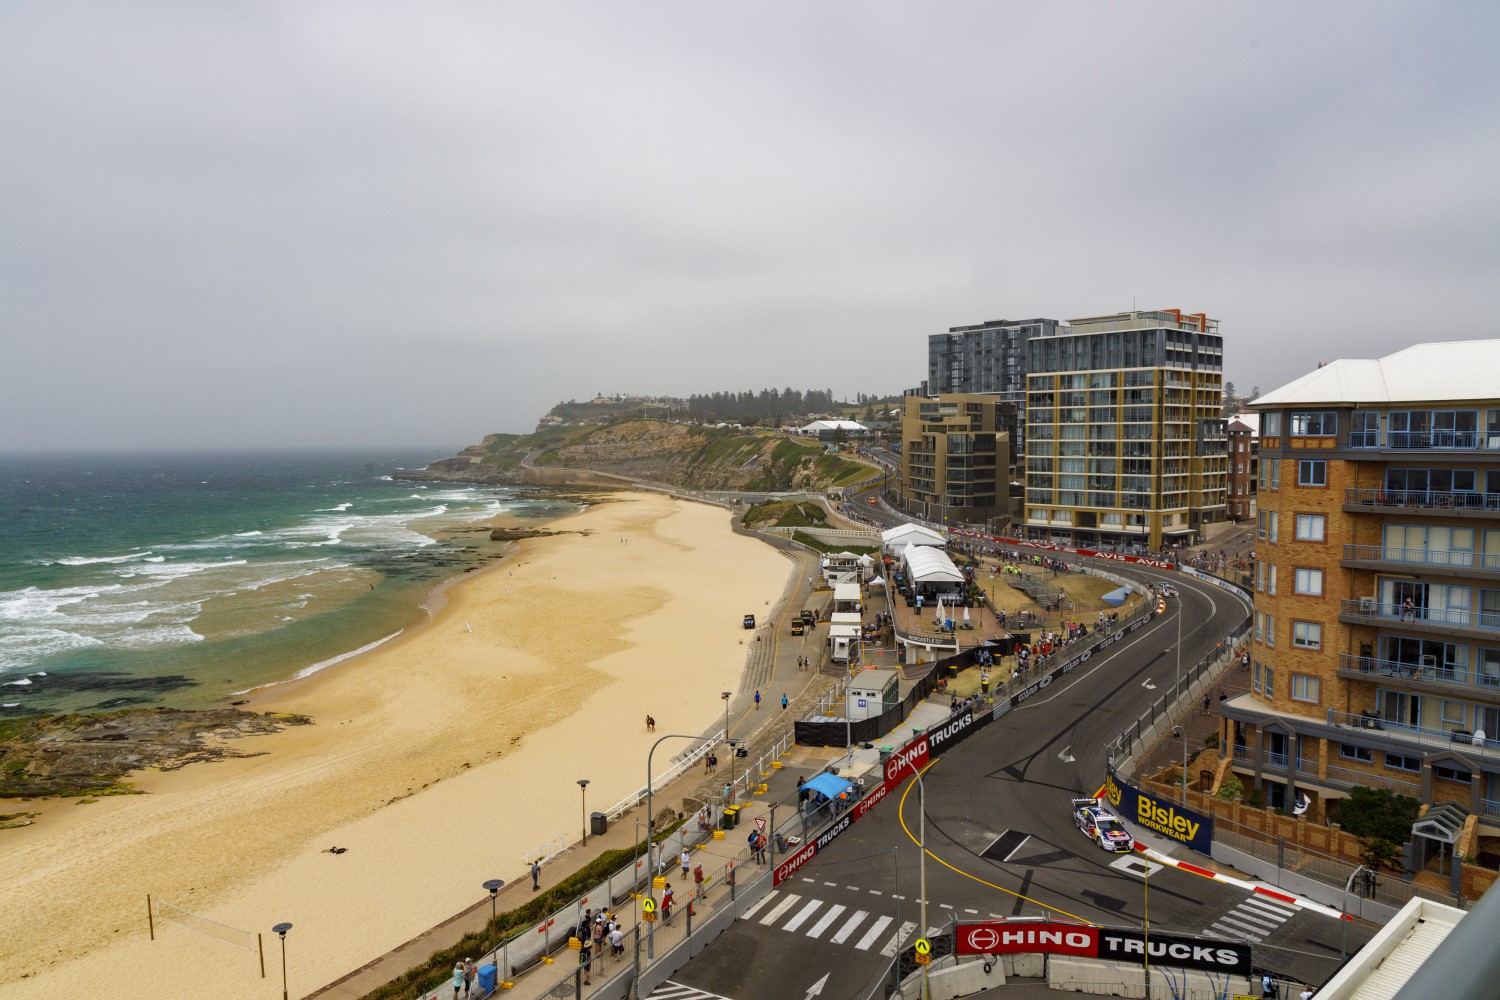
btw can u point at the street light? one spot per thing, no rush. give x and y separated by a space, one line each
493 885
1344 923
583 786
281 930
650 830
727 742
922 862
1183 793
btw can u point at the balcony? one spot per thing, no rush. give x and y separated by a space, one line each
1342 778
1433 440
1365 668
1453 560
1489 808
1366 611
1350 778
1374 729
1429 502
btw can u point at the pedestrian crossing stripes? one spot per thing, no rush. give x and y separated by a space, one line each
677 991
833 922
1252 919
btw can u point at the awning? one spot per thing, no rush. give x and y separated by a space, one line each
828 784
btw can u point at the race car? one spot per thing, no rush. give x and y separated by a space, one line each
1169 591
1101 826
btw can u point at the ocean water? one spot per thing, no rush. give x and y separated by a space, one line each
186 579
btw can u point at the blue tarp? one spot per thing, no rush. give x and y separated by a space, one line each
1115 598
828 784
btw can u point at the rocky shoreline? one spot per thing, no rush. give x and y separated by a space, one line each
88 755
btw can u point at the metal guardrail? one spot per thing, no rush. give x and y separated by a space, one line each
1451 558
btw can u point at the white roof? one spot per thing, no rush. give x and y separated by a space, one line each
910 534
1250 420
843 631
1382 967
846 618
1460 369
846 592
832 425
929 565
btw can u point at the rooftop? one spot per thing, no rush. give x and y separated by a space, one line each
1451 370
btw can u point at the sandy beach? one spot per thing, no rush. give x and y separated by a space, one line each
438 760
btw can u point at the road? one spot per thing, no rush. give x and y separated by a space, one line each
1001 843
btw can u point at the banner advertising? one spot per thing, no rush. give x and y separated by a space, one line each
1158 815
1013 937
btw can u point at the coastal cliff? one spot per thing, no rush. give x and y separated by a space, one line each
617 452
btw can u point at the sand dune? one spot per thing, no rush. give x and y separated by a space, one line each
438 760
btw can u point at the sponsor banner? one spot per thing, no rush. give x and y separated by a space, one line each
1222 584
957 729
789 867
1158 815
910 758
1014 937
876 796
831 834
1066 549
1232 957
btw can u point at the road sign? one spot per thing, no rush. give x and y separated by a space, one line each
922 958
760 821
923 946
648 905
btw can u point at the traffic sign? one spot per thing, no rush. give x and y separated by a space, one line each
648 905
760 821
923 958
923 946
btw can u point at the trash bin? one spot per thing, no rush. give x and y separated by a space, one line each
486 979
731 817
598 824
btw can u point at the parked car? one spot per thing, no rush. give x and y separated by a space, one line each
749 621
797 628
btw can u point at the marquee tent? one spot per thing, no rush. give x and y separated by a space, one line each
931 571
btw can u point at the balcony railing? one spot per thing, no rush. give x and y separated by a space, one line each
1488 747
1369 667
1366 608
1431 499
1490 808
1349 776
1467 440
1275 759
1424 557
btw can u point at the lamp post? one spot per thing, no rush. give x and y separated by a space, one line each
281 930
583 786
727 741
493 885
1182 795
650 835
1344 923
922 869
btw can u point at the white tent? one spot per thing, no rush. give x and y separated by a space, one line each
896 539
931 571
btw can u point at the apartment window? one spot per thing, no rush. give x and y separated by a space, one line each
1270 682
1270 425
1256 670
1260 524
1401 762
1307 635
1275 475
1445 773
1319 423
1305 687
1270 630
1310 527
1309 581
1455 713
1260 577
1312 472
1271 580
1351 752
1273 523
1260 630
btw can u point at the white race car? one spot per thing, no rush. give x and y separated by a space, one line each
1101 826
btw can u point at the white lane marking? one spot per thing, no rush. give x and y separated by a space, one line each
889 950
834 885
843 932
1247 929
802 915
781 908
1273 909
762 901
876 892
863 944
828 918
894 896
967 910
1253 919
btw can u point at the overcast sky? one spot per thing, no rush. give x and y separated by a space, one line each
263 224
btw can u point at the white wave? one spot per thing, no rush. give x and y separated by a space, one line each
325 664
92 560
178 570
248 534
339 509
10 704
155 559
40 673
20 683
384 479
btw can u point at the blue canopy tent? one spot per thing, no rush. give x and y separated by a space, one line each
1115 598
829 785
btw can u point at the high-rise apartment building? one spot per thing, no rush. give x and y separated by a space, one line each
954 458
987 357
1375 655
1126 440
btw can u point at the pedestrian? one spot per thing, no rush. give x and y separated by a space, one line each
650 724
536 874
585 954
470 971
1306 993
698 881
783 701
666 904
458 978
1205 703
599 934
1267 986
687 862
757 701
617 941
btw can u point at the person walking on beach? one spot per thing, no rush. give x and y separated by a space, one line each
783 701
536 874
650 724
757 701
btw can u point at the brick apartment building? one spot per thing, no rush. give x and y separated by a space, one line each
1244 452
1376 644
